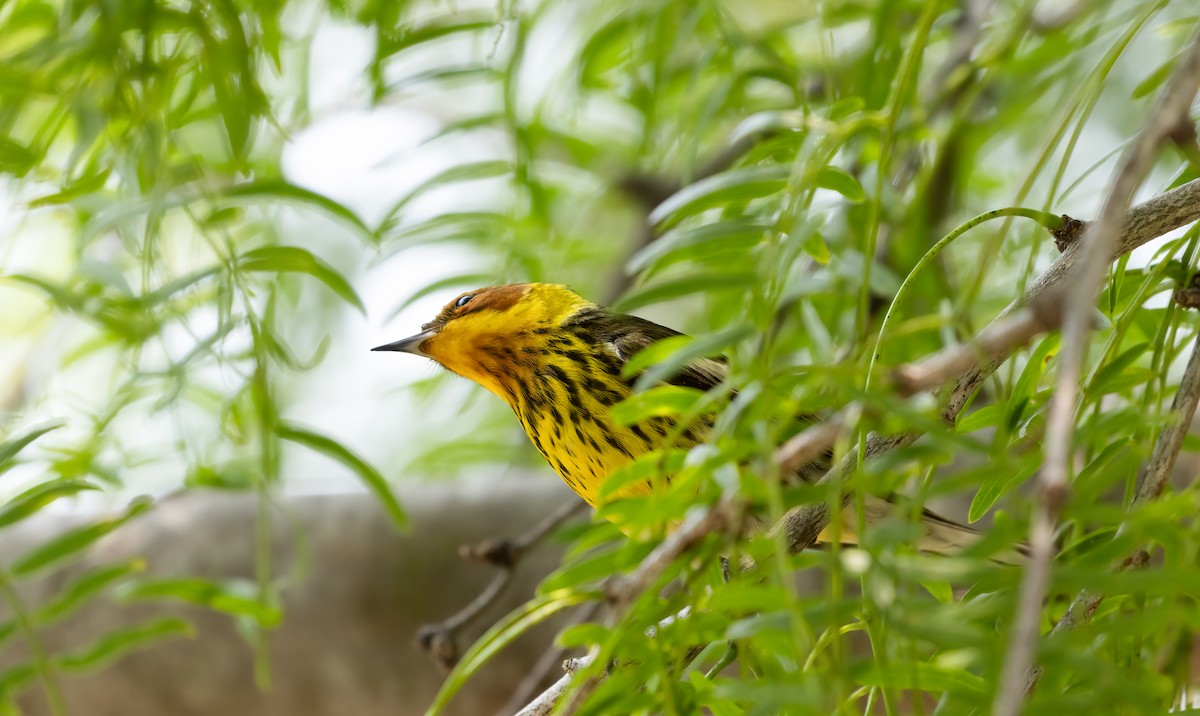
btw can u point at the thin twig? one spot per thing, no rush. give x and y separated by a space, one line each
1101 240
1150 485
548 699
527 689
622 589
440 640
1000 337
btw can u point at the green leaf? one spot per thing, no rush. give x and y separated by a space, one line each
465 281
15 158
685 243
1110 374
119 642
473 171
920 675
10 448
280 189
75 540
80 187
999 486
941 591
503 633
236 597
757 624
293 259
35 498
661 400
814 245
82 588
642 469
731 187
588 568
435 29
1028 380
702 282
839 180
986 417
710 345
371 477
582 635
1126 379
656 352
1155 79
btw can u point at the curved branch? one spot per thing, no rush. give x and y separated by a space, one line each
1098 246
440 640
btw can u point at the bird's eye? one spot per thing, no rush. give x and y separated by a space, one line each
464 300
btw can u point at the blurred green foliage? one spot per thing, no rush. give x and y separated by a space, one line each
766 174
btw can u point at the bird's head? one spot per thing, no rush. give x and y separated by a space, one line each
480 334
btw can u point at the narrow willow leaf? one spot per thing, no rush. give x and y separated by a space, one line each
941 591
986 417
689 285
119 642
1111 372
710 345
754 625
15 158
503 633
656 352
473 171
645 468
839 180
582 635
685 242
236 597
659 401
731 187
481 72
999 486
80 187
293 259
280 189
371 477
75 540
35 498
814 245
1028 380
14 679
921 675
10 448
746 598
174 286
459 22
1154 79
83 588
463 281
1126 379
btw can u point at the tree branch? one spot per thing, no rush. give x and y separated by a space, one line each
440 640
1150 485
1101 240
548 699
802 525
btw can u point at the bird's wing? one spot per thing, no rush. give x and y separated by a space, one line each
626 335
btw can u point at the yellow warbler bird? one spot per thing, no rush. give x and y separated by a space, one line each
556 359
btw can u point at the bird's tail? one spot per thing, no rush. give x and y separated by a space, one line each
942 536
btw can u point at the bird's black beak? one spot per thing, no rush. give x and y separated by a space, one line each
412 344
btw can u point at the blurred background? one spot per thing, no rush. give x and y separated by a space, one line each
219 501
